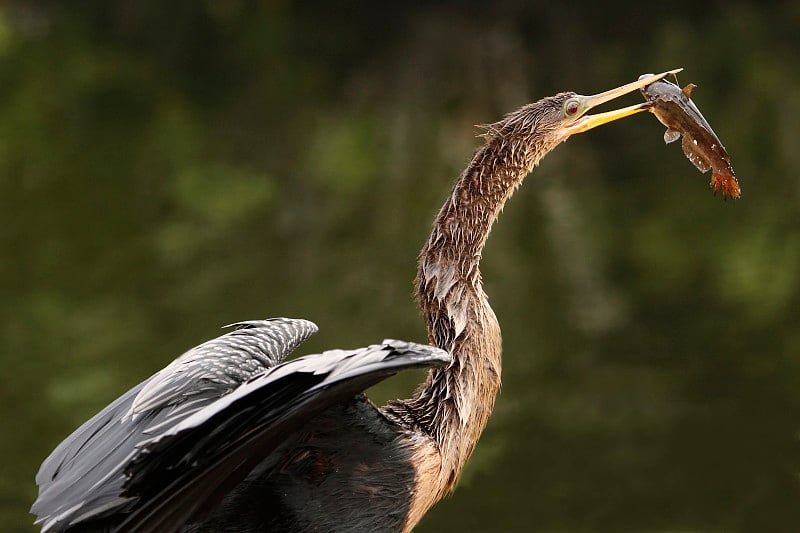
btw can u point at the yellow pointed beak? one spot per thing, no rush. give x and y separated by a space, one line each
587 122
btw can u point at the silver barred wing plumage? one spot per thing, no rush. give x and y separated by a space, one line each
83 477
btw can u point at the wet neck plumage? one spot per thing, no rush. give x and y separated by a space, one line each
454 404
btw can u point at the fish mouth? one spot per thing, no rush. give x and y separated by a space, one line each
588 122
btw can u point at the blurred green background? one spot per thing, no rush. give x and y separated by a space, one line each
170 167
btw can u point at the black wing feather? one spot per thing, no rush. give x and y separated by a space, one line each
184 472
82 479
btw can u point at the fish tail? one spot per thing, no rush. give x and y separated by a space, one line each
728 184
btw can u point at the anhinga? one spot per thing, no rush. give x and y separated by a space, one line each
230 437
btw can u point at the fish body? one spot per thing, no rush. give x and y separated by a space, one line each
673 107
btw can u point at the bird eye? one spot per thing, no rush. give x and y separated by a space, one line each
571 108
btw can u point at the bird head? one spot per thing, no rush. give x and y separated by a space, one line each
573 107
544 124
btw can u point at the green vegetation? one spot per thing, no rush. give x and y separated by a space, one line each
170 167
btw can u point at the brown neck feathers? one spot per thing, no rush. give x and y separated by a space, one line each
453 405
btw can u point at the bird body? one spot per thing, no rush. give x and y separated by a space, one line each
231 437
313 486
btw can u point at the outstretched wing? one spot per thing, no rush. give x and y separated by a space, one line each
220 365
83 477
184 472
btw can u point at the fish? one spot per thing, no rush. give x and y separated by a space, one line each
674 108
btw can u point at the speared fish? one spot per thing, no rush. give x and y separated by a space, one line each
673 107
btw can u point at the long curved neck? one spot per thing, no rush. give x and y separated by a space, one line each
453 405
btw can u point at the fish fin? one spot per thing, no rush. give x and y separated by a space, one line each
694 154
671 135
728 184
688 90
